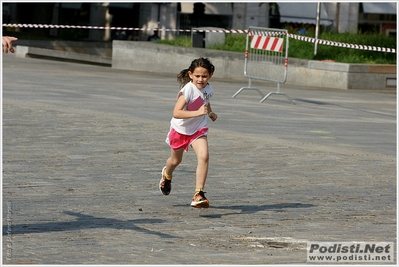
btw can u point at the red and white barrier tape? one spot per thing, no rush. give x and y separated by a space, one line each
332 43
269 33
322 42
116 28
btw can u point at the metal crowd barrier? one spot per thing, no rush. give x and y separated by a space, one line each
266 58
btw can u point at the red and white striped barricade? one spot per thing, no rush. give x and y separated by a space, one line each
266 58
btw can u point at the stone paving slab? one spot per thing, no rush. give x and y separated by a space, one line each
83 148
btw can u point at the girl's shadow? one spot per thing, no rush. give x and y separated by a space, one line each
250 209
82 222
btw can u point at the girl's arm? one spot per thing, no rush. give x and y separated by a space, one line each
211 115
180 113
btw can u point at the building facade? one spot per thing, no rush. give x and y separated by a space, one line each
172 17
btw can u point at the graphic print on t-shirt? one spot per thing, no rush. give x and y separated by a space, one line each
206 97
196 104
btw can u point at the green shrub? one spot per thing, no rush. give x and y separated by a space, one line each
352 55
234 42
305 50
184 41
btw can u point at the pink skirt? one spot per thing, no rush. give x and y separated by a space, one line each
179 141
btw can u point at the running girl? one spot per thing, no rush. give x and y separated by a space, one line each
189 126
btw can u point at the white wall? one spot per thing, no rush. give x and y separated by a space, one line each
167 18
348 17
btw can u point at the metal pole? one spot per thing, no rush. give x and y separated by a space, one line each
337 17
159 15
317 27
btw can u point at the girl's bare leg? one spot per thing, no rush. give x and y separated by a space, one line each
173 161
200 147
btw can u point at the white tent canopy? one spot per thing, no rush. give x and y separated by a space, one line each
70 5
121 5
379 8
302 13
210 8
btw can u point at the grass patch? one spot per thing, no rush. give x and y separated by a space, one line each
305 50
184 41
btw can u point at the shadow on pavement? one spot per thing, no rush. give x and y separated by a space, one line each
250 209
85 222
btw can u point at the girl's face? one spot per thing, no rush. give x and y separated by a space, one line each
200 77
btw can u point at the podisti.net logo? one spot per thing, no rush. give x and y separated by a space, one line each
350 252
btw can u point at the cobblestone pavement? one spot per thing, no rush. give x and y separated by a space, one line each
83 149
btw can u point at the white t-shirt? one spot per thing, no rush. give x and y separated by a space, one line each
195 98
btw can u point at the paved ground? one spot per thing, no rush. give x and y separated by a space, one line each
83 148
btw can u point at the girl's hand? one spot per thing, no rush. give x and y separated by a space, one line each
7 44
203 110
213 116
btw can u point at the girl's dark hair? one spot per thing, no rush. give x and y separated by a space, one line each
183 78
